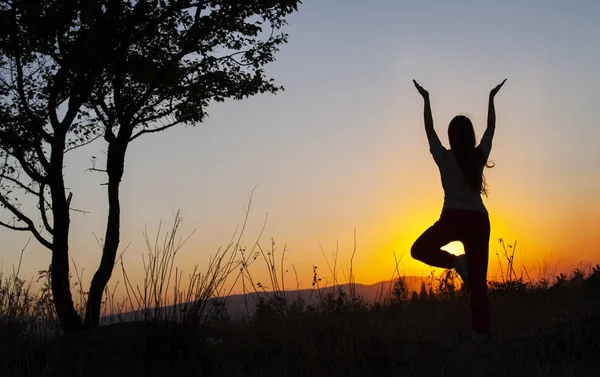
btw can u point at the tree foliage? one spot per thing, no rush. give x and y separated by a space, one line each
75 71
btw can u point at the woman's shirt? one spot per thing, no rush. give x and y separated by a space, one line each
457 192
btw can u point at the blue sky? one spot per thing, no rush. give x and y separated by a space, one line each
343 146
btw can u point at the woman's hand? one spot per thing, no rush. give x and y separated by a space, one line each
495 91
422 91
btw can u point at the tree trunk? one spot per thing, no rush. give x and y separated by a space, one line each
114 168
61 287
59 270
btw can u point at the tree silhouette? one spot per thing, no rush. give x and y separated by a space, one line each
75 71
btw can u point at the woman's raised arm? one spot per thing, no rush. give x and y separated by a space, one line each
491 120
435 145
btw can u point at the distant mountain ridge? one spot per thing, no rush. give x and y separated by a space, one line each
240 305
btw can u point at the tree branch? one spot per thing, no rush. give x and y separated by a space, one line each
170 11
109 136
107 121
93 168
35 120
42 200
117 87
12 227
98 104
157 116
41 156
53 100
79 210
34 175
30 226
18 153
42 204
69 198
96 170
185 49
125 40
83 144
152 130
76 99
18 183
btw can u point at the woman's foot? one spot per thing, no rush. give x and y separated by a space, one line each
461 267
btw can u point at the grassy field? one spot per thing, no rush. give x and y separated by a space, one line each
539 332
547 327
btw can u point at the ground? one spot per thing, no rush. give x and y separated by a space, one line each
543 332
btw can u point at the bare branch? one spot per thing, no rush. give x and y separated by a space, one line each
152 130
42 200
98 105
41 156
26 220
42 204
13 227
20 184
93 168
69 199
80 211
6 84
96 170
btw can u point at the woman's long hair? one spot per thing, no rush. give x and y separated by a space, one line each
462 142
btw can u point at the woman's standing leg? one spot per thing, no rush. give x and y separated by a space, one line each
476 247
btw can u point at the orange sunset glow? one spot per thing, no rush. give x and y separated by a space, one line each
299 188
343 149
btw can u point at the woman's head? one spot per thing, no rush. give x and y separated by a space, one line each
461 135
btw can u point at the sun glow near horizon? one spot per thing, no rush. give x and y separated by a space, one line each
343 147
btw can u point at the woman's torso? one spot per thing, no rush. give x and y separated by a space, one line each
458 194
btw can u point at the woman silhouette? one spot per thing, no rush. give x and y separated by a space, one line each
464 217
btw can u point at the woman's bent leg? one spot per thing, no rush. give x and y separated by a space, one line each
427 248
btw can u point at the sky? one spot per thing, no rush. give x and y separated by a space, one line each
339 160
